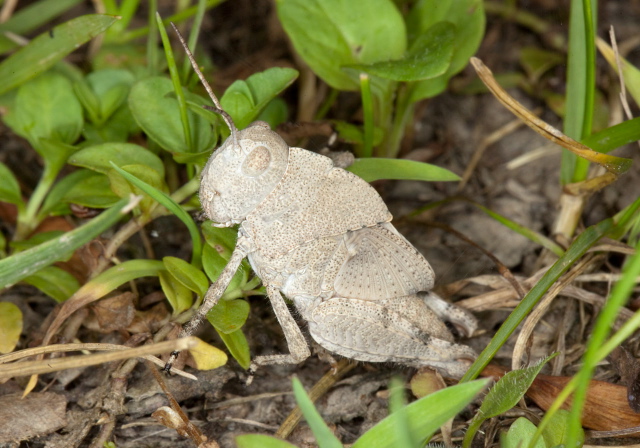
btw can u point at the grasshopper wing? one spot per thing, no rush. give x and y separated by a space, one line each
381 264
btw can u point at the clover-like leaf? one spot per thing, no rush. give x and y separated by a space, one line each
244 100
429 56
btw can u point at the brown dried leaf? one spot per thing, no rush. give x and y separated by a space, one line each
115 313
606 408
35 415
149 321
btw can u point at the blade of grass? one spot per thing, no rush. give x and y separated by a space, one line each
619 295
324 436
193 37
21 265
31 17
153 53
597 350
614 137
50 47
376 168
585 241
532 235
580 85
536 237
175 208
177 87
176 18
126 11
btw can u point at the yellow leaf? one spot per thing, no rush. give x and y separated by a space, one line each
10 326
208 357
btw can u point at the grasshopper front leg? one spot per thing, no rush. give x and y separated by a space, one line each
211 298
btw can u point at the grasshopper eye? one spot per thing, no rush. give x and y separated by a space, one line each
256 162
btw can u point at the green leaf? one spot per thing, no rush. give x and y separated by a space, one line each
116 276
88 99
50 47
91 191
46 108
615 136
466 15
36 240
351 133
9 187
244 100
330 34
371 169
275 112
23 264
123 188
429 56
116 129
155 108
223 239
187 274
75 188
10 326
555 433
54 282
229 315
520 435
324 436
29 18
111 86
179 296
425 415
237 345
213 263
99 157
261 441
509 389
397 404
537 61
469 20
171 205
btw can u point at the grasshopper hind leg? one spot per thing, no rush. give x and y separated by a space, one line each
371 331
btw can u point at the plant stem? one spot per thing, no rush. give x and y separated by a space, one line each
403 113
27 221
367 110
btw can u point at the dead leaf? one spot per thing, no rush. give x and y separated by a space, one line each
35 415
115 313
606 408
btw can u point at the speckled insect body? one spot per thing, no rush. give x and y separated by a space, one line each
322 236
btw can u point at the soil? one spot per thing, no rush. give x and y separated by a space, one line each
243 37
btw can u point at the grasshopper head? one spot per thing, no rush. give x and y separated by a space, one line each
237 178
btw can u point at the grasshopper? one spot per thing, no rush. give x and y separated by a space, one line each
323 237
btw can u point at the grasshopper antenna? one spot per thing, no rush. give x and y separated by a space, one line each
218 107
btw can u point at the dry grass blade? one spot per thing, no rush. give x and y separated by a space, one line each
59 348
616 165
53 365
538 313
